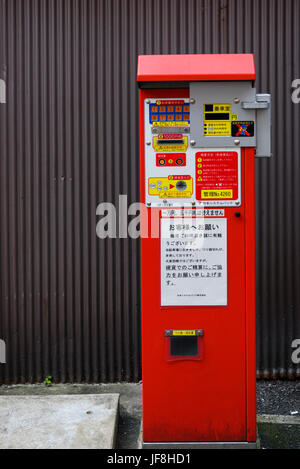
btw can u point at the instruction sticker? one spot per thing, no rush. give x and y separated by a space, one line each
171 124
170 143
193 262
217 128
191 212
176 187
217 175
242 129
217 119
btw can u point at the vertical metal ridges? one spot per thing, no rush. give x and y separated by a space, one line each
70 302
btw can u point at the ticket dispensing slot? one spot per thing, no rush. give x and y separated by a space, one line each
184 344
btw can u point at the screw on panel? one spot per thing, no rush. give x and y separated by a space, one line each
148 101
192 100
192 142
148 143
236 142
236 100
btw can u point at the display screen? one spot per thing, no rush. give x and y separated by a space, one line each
217 116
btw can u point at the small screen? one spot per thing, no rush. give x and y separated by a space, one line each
217 116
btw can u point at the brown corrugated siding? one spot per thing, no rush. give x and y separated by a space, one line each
70 302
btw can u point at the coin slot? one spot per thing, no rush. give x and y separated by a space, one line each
181 185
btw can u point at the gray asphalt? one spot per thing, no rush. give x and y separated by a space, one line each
278 397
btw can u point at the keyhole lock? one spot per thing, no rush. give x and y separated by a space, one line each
237 214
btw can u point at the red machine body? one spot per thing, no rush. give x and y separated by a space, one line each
211 398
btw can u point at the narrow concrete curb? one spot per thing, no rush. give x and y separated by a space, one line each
279 419
115 428
140 438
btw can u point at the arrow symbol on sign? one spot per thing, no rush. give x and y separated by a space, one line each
171 186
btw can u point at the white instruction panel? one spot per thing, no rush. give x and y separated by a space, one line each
194 262
178 174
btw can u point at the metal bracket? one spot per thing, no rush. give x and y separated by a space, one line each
256 105
263 126
262 105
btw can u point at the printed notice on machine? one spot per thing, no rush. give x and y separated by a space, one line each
193 262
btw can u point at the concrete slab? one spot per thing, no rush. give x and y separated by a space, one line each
61 421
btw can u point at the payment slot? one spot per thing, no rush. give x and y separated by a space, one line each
201 126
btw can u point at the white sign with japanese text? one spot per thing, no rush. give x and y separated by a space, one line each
193 262
191 212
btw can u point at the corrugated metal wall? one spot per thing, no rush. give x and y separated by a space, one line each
70 302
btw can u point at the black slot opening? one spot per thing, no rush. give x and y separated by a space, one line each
184 346
168 142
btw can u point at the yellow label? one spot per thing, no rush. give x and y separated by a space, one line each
170 124
216 194
234 117
217 108
212 126
217 128
184 333
165 187
167 147
175 195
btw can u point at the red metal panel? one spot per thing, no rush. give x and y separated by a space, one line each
213 399
196 67
249 156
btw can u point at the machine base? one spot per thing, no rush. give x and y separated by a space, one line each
200 445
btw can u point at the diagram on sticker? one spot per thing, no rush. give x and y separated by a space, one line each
179 186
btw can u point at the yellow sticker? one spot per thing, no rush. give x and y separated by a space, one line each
167 187
217 119
234 117
216 194
170 124
216 108
170 144
184 333
175 195
217 128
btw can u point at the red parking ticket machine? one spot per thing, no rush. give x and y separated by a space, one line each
201 126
